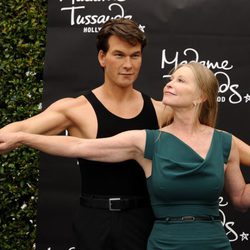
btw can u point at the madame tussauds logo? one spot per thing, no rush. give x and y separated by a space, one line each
77 13
228 225
228 91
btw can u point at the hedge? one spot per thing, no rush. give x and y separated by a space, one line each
22 46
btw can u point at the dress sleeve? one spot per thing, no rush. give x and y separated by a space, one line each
227 143
150 144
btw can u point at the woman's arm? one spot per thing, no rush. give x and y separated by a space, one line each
244 151
124 146
235 185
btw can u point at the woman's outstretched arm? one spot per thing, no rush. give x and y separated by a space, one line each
124 146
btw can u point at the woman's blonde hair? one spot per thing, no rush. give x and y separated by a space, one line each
208 84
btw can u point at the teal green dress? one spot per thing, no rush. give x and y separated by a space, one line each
185 184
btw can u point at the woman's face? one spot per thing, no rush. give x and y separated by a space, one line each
182 90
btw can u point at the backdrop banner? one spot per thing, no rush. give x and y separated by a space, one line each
212 32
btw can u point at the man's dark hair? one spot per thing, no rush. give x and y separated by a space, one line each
125 29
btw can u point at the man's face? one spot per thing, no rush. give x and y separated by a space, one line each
121 63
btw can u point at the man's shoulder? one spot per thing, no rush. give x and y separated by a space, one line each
69 103
164 113
157 104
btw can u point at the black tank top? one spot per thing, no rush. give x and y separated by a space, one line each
124 178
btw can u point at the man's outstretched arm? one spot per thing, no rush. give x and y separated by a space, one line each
53 120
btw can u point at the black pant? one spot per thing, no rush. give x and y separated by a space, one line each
100 229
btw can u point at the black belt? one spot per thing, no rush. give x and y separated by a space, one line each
190 218
114 203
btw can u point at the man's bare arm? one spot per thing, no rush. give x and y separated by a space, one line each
53 120
164 113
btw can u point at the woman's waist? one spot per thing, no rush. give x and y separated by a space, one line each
184 210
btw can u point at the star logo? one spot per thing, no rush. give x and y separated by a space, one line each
247 98
142 29
244 236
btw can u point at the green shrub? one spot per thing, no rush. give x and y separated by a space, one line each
22 47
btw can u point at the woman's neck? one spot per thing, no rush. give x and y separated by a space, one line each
186 121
